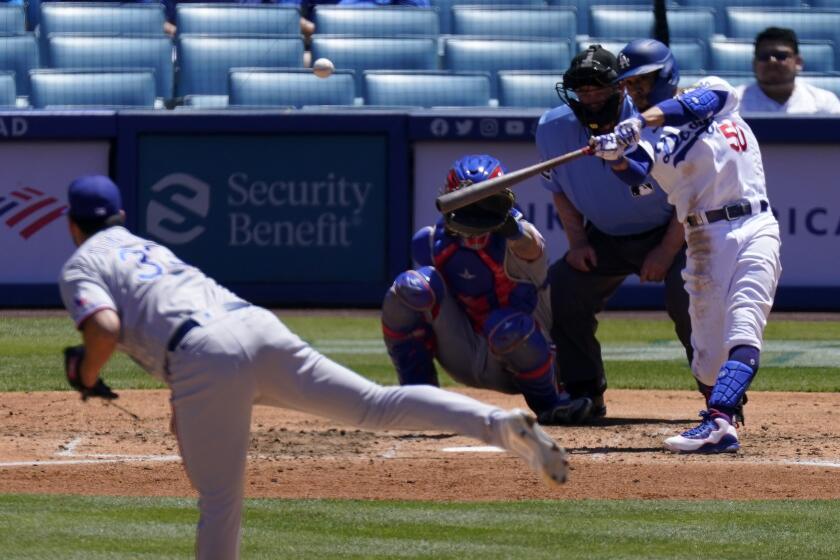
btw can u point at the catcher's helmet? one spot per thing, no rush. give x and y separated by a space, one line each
472 169
644 56
598 67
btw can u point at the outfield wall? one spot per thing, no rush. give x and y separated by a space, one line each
317 208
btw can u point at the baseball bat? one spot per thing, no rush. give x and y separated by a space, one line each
463 197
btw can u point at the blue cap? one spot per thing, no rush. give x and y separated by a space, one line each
93 197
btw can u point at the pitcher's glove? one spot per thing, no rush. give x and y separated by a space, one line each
484 216
73 356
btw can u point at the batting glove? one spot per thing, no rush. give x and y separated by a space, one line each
607 147
628 132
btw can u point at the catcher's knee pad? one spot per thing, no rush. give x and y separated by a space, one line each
732 382
422 289
514 337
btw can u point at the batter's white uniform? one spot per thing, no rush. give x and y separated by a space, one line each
805 100
239 355
733 266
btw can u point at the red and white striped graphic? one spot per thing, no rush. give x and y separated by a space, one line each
29 210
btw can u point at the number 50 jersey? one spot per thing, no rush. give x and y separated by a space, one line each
707 164
151 290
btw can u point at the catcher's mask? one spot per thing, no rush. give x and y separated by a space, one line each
467 171
595 67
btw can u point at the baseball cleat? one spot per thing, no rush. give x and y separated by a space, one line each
573 411
715 434
520 434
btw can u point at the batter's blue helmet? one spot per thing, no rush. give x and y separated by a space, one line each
473 169
644 56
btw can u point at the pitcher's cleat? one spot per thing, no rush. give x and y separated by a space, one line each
715 434
520 434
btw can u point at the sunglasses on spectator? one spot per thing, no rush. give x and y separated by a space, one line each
781 56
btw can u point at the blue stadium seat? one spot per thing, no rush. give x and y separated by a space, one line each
112 52
204 61
720 6
290 88
529 88
620 22
70 88
8 92
445 8
734 78
821 4
827 80
690 55
426 89
737 55
369 53
204 102
12 19
582 7
19 54
378 21
746 23
100 17
522 22
488 55
237 19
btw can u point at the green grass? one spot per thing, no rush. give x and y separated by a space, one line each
30 354
70 527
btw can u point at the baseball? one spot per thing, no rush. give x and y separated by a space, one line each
323 67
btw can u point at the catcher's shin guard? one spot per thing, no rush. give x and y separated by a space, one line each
514 338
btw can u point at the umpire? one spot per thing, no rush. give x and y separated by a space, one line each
613 229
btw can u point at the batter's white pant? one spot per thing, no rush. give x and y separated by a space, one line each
731 275
247 357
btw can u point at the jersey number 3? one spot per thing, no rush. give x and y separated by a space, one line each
737 138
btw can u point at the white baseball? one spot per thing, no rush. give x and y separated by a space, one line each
323 67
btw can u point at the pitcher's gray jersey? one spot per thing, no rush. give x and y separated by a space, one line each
145 283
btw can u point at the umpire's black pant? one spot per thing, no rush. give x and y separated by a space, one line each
576 297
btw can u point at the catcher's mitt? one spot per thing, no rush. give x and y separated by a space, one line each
73 356
485 216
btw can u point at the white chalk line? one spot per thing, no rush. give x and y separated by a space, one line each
69 450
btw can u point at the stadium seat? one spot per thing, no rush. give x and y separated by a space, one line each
529 88
100 17
488 55
369 53
381 21
445 8
12 19
237 19
71 88
8 92
33 14
290 88
690 55
204 61
582 7
620 22
734 78
19 54
426 89
102 53
827 80
746 23
523 22
737 55
720 6
822 4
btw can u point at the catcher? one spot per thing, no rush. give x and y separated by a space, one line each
477 300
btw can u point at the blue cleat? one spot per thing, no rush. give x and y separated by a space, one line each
715 434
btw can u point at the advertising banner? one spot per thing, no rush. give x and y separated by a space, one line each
33 195
268 209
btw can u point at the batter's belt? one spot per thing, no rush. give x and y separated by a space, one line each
729 213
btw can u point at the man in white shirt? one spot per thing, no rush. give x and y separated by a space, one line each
777 89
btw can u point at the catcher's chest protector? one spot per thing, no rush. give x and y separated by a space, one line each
476 278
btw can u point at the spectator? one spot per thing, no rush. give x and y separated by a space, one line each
614 230
777 89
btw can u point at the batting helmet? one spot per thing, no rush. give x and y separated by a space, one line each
598 67
644 56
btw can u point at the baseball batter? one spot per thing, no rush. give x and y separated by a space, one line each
221 355
477 300
707 159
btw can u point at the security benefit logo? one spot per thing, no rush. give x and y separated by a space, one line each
179 206
281 212
27 210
